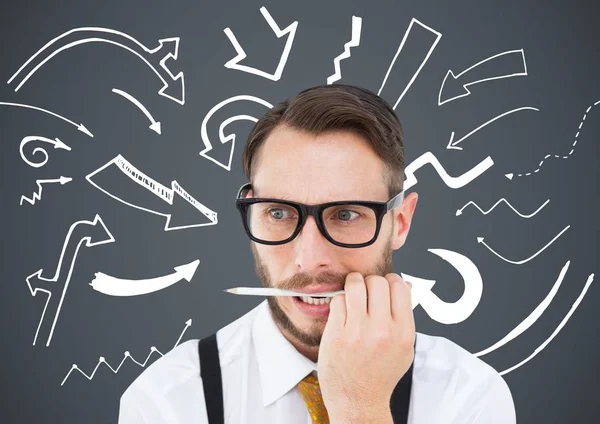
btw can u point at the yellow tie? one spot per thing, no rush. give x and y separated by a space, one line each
311 393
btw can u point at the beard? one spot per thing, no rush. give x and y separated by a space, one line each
312 337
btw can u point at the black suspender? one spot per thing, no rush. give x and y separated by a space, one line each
210 371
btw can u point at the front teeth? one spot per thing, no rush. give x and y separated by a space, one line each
315 301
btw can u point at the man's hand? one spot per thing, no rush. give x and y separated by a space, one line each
367 346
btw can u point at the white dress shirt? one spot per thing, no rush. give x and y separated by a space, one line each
261 368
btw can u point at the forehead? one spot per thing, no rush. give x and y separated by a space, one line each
303 167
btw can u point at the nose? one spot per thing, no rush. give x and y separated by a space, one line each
313 250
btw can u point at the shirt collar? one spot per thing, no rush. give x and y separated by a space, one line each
280 366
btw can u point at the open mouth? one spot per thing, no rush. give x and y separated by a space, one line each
314 300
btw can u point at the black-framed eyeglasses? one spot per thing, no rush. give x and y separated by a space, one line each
347 223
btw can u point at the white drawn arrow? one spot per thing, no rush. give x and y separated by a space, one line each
159 190
154 125
56 142
439 310
85 35
354 42
241 55
230 138
452 182
38 195
102 359
567 156
463 90
452 144
560 326
422 26
459 211
480 240
114 286
96 234
80 127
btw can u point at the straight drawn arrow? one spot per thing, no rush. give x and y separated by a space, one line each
156 188
154 125
241 54
80 127
114 286
452 144
455 87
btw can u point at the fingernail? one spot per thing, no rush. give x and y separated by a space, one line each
409 284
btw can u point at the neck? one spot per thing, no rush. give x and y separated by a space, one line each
310 352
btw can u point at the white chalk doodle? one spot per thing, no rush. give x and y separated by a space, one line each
438 35
80 127
456 84
167 47
208 147
37 195
114 286
532 317
560 326
452 182
453 144
156 188
93 233
448 312
56 143
127 355
290 31
511 175
354 42
480 240
460 211
154 125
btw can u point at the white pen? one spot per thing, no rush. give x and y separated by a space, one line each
271 291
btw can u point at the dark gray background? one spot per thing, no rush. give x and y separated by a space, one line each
560 42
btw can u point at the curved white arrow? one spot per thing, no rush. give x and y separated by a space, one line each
80 127
154 125
38 195
452 143
439 310
231 138
480 240
114 286
99 32
56 142
241 54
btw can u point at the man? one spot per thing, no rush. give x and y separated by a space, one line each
353 358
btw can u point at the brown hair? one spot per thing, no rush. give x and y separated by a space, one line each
327 108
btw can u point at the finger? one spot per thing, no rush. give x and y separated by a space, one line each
400 299
337 312
356 297
378 298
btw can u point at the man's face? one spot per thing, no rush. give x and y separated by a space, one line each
311 169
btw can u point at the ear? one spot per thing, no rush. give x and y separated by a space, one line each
402 219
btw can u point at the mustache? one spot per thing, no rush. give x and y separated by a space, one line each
301 280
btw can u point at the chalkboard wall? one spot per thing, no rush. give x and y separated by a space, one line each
122 125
